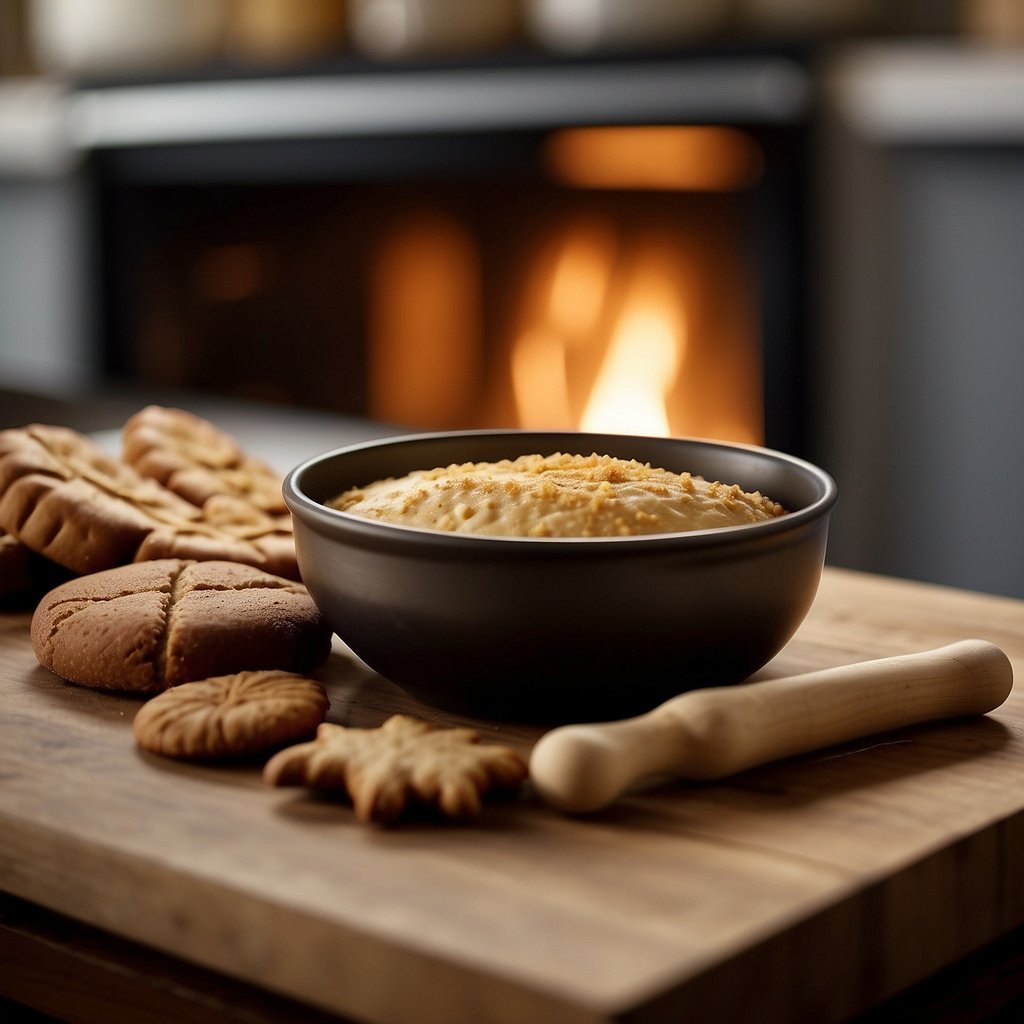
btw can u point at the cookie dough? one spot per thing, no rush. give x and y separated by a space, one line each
557 495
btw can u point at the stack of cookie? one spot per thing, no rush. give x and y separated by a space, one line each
182 489
180 584
177 560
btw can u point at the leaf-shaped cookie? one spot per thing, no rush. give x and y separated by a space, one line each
405 760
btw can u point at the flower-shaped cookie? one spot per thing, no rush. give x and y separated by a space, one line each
230 716
405 760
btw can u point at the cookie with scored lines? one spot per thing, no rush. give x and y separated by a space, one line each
230 716
145 627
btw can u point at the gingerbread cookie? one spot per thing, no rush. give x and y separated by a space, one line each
63 497
148 626
197 460
230 716
405 761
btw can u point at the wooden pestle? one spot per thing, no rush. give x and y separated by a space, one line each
712 733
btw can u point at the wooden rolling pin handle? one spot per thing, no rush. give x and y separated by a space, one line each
712 733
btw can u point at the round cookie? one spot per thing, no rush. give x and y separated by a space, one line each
230 716
145 627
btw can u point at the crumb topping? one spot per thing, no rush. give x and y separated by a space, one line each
558 495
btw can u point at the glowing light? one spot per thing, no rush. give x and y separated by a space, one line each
580 279
425 352
705 158
561 320
630 394
539 380
620 329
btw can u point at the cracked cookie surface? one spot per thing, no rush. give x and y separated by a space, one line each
145 627
230 716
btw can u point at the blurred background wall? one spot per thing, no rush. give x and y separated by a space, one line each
427 212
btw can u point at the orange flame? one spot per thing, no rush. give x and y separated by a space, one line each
633 335
564 315
642 361
637 360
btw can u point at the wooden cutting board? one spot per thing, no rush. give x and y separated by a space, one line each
809 889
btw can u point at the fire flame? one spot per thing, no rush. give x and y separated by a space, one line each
644 355
635 378
609 342
630 317
623 327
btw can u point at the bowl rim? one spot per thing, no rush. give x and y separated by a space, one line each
300 503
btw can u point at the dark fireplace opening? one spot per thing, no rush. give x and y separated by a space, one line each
642 278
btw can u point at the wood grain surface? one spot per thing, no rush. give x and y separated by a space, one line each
810 889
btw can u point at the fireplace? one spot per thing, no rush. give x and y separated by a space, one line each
638 272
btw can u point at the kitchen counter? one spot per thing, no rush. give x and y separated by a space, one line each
813 889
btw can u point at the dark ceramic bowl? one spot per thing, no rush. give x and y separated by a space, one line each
553 629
